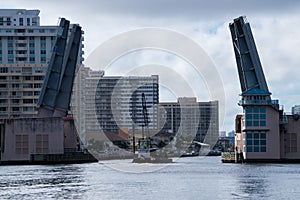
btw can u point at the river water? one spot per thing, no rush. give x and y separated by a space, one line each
186 178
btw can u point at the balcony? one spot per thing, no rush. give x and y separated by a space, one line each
21 41
21 48
21 56
258 102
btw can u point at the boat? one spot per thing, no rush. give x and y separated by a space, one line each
147 155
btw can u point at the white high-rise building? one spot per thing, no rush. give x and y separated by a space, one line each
296 110
113 103
25 51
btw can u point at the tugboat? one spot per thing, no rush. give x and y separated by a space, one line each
145 154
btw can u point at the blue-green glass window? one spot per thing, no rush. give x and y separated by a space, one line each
255 116
255 142
248 116
249 142
249 148
256 149
262 123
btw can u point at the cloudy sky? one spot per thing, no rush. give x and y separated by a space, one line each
275 25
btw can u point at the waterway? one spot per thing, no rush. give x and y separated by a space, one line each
186 178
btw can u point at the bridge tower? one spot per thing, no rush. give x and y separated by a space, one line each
259 137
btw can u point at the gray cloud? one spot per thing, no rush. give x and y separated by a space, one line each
189 8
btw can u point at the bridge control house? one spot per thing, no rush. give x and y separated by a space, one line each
264 133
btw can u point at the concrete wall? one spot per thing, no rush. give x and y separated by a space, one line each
293 127
21 137
71 141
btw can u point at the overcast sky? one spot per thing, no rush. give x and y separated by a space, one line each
275 25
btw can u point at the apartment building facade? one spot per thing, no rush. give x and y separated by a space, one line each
25 51
111 103
192 119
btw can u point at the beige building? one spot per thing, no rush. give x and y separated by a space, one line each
264 133
192 119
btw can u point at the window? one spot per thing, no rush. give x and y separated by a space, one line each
15 85
38 78
27 93
37 85
21 59
28 21
34 21
20 31
21 52
255 116
256 142
21 144
27 78
43 45
27 85
290 142
21 45
28 109
15 101
21 21
43 60
10 60
42 143
2 85
15 109
26 101
3 70
8 21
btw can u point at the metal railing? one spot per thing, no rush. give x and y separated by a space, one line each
258 102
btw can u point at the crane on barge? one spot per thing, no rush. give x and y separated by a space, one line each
144 144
